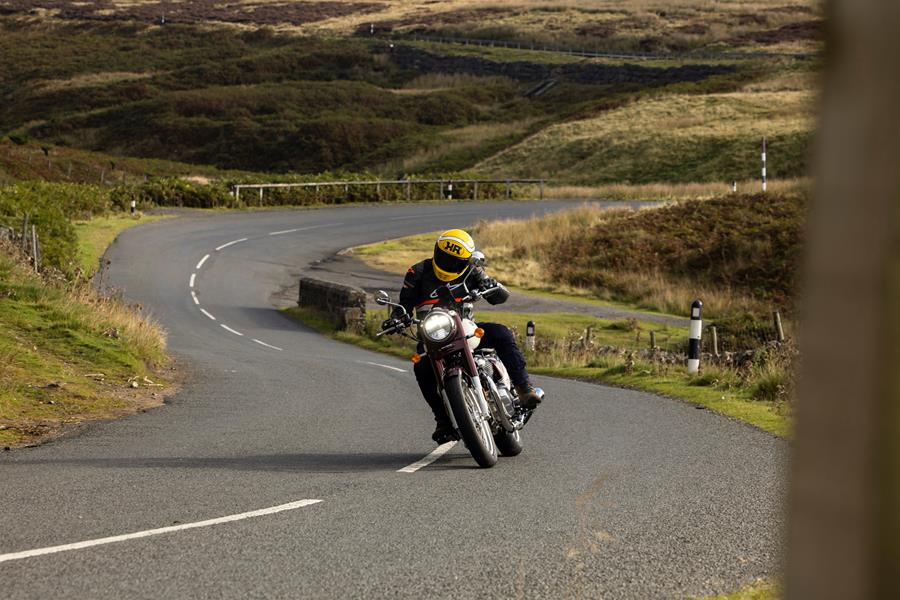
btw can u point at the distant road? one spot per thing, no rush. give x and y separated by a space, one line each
274 472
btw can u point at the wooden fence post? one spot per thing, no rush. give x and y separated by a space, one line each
779 330
715 340
25 233
34 256
652 340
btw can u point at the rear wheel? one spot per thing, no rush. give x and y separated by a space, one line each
473 425
509 444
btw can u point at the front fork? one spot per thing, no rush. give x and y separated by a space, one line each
482 403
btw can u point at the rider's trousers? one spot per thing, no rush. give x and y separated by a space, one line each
496 336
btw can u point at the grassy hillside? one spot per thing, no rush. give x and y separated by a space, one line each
674 138
635 25
738 253
93 84
68 355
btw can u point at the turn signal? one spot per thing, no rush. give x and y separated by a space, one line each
479 332
416 358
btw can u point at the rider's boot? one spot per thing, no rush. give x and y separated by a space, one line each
444 433
528 396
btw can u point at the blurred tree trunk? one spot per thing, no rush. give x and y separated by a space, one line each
845 504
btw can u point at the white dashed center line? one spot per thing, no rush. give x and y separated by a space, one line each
202 260
374 364
435 454
193 278
303 228
267 345
227 328
206 312
231 243
151 532
194 296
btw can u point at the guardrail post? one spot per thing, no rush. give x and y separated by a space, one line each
237 194
542 189
408 190
508 190
694 343
260 196
475 192
529 336
450 191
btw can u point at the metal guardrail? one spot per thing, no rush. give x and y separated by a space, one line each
446 185
542 47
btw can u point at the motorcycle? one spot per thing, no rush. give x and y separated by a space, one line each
479 398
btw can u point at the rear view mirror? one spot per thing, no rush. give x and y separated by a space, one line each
478 258
382 298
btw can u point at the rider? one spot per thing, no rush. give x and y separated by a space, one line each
449 266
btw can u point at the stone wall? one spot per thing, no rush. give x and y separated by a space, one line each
346 305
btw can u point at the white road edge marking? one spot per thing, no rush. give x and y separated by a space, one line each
193 278
304 228
151 532
194 296
385 366
231 243
268 345
204 311
227 328
435 454
202 260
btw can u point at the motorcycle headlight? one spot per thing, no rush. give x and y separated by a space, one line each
437 326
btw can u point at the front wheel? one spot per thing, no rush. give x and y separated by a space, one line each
473 425
509 444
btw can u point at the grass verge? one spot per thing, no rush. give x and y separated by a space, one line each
95 236
564 353
69 355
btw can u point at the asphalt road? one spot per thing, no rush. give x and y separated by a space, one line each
618 494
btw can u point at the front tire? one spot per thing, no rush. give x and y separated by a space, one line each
475 431
509 444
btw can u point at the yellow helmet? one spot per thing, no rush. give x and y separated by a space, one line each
452 251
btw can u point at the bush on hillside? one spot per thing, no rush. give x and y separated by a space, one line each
172 192
51 207
750 244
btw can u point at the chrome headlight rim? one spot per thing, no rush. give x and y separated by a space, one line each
438 322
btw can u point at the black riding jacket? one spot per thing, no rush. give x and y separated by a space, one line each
420 287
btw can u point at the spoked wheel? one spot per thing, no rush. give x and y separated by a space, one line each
473 424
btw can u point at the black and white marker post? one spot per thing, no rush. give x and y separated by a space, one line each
694 343
529 336
133 206
764 165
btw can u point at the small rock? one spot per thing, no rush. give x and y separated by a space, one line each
134 384
50 402
53 384
6 448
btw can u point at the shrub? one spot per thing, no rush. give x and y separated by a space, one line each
172 192
51 207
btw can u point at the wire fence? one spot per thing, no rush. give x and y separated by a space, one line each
25 238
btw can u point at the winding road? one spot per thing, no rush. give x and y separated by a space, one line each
294 466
